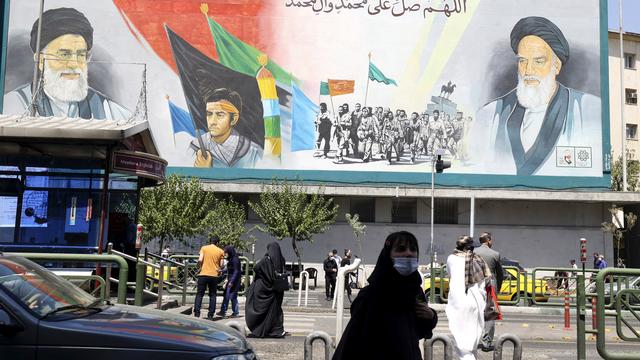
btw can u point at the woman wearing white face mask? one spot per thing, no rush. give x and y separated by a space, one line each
468 277
390 315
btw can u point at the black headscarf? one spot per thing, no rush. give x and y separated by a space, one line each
544 29
383 321
275 254
58 22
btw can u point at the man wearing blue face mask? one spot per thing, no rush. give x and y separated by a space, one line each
390 315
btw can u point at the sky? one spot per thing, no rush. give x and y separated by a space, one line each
630 15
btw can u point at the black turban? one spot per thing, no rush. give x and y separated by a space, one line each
61 21
544 29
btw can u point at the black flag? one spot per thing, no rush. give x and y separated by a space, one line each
200 74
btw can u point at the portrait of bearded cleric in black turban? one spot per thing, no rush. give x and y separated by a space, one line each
66 42
540 126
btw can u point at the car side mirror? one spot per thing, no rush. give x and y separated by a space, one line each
8 326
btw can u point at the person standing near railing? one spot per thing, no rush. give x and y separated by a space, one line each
330 267
492 258
233 282
211 261
346 261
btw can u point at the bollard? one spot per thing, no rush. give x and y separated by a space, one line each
445 340
594 313
517 346
160 284
311 338
567 306
141 271
303 275
237 326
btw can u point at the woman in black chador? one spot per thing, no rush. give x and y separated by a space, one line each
263 310
390 315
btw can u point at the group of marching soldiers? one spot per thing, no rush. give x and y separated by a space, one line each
366 132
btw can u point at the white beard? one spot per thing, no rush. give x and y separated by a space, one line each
65 90
535 96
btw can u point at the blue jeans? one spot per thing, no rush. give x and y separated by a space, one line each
233 295
204 283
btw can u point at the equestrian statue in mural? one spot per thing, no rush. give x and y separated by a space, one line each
447 90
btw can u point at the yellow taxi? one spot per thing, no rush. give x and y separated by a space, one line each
513 284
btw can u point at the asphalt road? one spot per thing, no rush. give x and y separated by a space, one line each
543 337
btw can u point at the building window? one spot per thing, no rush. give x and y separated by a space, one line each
446 211
364 207
632 132
631 96
629 61
404 211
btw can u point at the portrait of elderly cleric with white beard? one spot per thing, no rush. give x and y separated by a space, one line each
541 127
66 42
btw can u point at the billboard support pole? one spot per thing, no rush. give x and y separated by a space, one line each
472 215
34 84
431 269
622 100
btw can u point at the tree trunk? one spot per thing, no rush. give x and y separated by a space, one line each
161 245
296 250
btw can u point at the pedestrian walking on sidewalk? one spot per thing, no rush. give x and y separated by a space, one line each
330 274
468 278
390 315
492 258
233 282
263 310
211 261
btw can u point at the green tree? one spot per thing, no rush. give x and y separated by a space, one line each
633 173
175 210
357 227
227 220
617 228
287 211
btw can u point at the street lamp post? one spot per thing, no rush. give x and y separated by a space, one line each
437 165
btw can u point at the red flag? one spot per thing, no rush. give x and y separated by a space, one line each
341 87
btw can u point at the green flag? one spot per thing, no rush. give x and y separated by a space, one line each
241 56
377 75
324 88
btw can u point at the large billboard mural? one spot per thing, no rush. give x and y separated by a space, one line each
510 91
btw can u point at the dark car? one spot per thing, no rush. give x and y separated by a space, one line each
43 316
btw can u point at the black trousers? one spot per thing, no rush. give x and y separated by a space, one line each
330 285
326 136
204 283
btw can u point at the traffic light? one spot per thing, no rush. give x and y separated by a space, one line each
139 236
442 164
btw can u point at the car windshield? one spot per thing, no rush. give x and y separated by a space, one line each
38 289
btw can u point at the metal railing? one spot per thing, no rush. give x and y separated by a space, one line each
311 338
517 346
338 299
94 258
624 302
445 340
303 274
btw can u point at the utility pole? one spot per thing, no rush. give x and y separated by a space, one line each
623 125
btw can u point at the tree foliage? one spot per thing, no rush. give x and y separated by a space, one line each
227 221
617 228
633 175
357 227
287 211
181 209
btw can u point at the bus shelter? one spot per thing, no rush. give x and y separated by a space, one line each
72 184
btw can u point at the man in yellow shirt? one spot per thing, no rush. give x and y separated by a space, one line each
211 261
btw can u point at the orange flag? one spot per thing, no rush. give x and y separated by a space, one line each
341 87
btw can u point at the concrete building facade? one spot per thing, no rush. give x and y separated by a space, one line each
631 73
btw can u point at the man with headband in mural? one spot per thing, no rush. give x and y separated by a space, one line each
223 145
541 127
65 48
